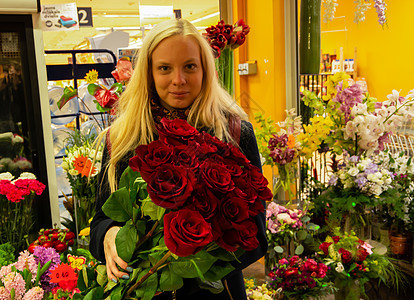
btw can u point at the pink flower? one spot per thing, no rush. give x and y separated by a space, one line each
27 261
15 281
35 293
285 217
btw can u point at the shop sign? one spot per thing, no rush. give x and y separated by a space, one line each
60 17
85 16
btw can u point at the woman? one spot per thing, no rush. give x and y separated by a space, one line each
174 77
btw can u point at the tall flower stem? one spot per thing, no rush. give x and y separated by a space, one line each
150 272
224 67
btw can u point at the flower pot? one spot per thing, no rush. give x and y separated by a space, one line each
401 246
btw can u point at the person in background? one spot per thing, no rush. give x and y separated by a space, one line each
174 77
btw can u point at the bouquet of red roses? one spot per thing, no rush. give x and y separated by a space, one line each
193 207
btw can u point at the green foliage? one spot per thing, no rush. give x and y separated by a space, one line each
263 134
6 254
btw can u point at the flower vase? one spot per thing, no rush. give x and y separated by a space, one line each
401 245
84 209
347 289
224 67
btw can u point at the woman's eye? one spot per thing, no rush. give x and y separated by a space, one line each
191 66
163 68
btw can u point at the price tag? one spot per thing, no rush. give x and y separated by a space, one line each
85 16
64 272
76 262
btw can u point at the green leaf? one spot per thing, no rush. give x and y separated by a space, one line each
101 276
151 286
85 276
116 293
81 284
185 266
301 235
118 206
170 281
95 294
92 88
110 285
218 272
141 226
127 178
215 287
125 241
278 249
152 210
299 250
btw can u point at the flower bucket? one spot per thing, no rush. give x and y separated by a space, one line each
401 246
348 290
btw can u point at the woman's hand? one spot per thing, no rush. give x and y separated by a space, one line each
112 258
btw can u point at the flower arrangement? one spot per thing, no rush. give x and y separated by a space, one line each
300 278
16 201
82 172
223 39
352 261
287 229
12 152
190 213
59 239
258 292
359 123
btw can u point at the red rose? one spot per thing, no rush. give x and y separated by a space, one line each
234 211
311 265
322 269
233 168
245 238
149 157
293 260
170 186
336 239
345 255
361 254
212 144
324 247
186 232
216 176
259 183
186 156
238 156
205 202
176 132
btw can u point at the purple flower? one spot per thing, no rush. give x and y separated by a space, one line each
361 181
43 255
333 180
354 159
348 98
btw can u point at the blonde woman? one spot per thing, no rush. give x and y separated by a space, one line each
174 77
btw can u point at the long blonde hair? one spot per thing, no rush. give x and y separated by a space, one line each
134 124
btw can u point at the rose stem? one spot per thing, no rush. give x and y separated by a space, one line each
147 236
150 272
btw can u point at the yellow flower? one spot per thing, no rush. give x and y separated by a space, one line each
91 76
331 83
291 141
85 232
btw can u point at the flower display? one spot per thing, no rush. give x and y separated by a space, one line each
193 203
349 259
82 165
358 122
59 239
329 8
258 292
299 278
224 35
123 71
16 200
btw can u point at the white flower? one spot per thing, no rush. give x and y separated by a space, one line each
339 267
330 8
285 218
353 171
73 172
65 166
27 175
17 139
6 176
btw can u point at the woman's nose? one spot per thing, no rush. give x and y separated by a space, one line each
178 78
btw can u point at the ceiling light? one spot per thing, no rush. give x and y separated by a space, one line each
156 11
206 17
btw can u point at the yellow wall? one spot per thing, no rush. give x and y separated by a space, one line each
384 55
265 91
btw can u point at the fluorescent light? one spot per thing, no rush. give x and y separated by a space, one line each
120 16
206 17
156 11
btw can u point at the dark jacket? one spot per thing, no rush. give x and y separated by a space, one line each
101 223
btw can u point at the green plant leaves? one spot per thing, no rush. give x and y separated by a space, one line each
125 241
152 210
218 272
192 266
95 294
170 281
118 207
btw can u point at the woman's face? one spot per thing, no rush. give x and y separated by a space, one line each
177 71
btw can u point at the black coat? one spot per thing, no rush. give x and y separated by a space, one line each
101 223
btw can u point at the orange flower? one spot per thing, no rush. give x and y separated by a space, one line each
291 141
83 165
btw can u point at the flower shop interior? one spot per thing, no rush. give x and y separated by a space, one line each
331 105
